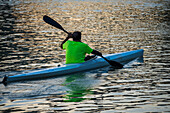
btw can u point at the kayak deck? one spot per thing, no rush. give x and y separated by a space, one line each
65 69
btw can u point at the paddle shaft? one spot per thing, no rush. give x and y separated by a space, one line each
113 63
106 60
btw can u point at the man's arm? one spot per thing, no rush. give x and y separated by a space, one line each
69 36
96 53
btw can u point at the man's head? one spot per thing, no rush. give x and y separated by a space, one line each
77 35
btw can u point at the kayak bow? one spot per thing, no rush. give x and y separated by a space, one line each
123 58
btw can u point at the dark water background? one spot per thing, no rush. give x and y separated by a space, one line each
110 26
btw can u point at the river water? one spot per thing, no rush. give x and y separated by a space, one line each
110 26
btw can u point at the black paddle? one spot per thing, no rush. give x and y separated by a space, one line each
115 64
52 22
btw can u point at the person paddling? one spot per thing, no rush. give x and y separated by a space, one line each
76 50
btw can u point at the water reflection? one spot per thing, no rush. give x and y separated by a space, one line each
79 86
12 48
7 20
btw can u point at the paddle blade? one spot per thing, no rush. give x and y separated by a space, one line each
115 64
52 22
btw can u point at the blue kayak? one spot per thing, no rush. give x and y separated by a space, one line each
98 62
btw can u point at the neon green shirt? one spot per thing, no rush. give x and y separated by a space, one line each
76 51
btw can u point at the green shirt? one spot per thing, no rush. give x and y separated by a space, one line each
76 51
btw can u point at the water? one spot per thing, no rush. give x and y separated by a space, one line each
28 43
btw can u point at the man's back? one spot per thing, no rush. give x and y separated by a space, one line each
76 51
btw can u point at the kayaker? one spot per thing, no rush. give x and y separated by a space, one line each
76 50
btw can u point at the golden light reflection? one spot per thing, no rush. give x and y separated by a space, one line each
108 27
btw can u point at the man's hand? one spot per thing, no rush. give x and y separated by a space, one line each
70 35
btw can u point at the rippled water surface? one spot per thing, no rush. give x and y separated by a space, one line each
110 26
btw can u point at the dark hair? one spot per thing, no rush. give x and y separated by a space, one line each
77 35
